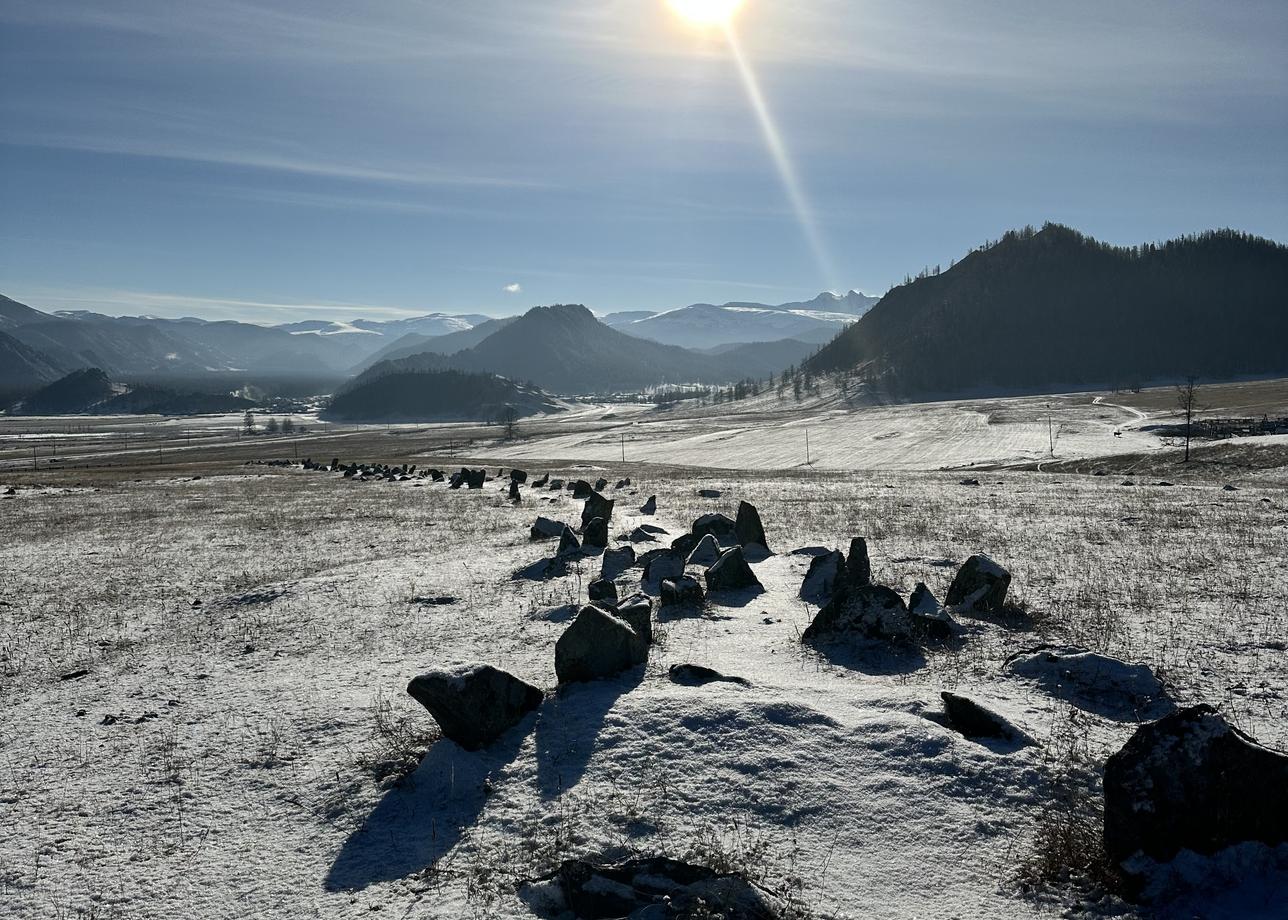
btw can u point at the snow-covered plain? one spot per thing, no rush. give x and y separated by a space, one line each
233 749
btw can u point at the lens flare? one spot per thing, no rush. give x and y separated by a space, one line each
783 161
706 12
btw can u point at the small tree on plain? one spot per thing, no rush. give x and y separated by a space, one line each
288 426
1187 400
248 422
271 426
510 416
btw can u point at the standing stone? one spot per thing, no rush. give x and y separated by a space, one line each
596 507
858 569
603 590
660 564
731 573
747 529
597 645
518 476
540 483
616 561
556 485
929 619
826 573
580 488
475 478
568 542
980 586
514 491
596 533
601 484
476 704
638 611
706 553
546 529
650 506
1192 781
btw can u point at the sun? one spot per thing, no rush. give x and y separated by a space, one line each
706 12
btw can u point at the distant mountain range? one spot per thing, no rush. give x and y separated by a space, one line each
1054 309
434 395
565 349
90 391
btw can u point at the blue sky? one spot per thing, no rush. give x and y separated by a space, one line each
279 160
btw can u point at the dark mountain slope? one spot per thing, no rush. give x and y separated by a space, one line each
75 393
22 366
426 396
413 343
1055 308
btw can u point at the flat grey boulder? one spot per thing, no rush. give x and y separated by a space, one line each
706 553
546 529
637 610
616 561
598 644
732 573
660 564
869 612
596 507
826 573
980 586
640 535
709 493
747 528
474 704
1192 781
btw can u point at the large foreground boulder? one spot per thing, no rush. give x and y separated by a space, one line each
732 573
868 612
598 644
1192 781
747 528
637 610
979 587
650 887
475 704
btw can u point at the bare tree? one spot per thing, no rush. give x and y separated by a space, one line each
1187 400
510 416
248 422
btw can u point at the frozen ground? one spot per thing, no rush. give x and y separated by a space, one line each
234 747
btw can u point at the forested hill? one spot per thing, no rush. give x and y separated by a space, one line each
1055 308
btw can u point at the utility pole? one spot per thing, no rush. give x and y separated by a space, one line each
1050 430
33 458
623 448
807 447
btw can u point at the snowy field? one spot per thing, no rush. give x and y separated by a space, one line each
204 679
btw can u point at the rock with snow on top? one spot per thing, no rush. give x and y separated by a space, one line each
706 553
1072 671
616 561
603 590
721 526
596 645
869 612
1192 781
732 573
637 610
476 704
929 618
979 587
682 591
660 564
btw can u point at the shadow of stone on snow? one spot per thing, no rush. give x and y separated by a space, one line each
568 725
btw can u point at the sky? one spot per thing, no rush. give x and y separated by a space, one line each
275 161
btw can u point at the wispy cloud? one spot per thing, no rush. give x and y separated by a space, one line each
513 288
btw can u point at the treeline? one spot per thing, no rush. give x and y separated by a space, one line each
1054 307
426 395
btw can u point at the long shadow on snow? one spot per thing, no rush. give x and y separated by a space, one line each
568 725
871 656
420 820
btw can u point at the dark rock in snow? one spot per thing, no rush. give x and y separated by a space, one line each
650 506
695 675
660 564
568 542
475 478
556 485
858 569
476 704
682 590
542 482
640 535
718 525
748 529
596 532
979 587
622 483
709 493
546 529
596 507
514 491
870 611
601 484
732 573
637 610
616 561
684 544
1192 781
597 645
706 553
649 887
580 488
518 476
826 573
976 721
603 590
929 619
